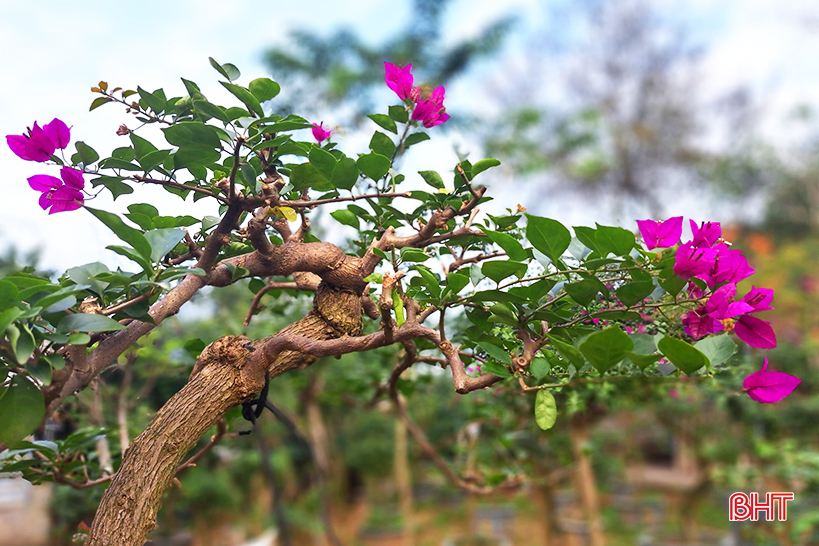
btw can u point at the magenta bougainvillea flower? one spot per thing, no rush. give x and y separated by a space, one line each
431 112
706 234
320 133
708 319
59 195
729 266
40 142
661 234
769 387
755 332
399 80
691 261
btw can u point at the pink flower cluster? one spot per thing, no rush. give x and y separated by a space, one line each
429 111
707 257
57 194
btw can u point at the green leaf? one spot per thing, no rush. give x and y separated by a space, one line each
85 275
683 355
482 165
415 138
153 101
540 367
207 109
643 361
455 282
163 241
382 144
568 351
501 309
495 352
616 240
717 349
374 165
398 307
99 101
307 176
545 409
346 217
497 270
114 163
144 208
606 348
132 254
86 152
398 113
153 159
132 236
246 97
583 292
21 410
114 184
673 284
195 156
634 292
414 255
385 122
323 161
79 338
432 178
548 236
643 343
227 70
22 342
141 146
587 236
509 244
495 369
192 133
84 322
430 280
345 174
248 174
7 316
8 293
264 89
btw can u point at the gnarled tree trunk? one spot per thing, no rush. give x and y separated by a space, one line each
225 375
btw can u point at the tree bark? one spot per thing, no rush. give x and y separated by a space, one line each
222 378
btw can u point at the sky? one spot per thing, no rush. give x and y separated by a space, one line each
51 57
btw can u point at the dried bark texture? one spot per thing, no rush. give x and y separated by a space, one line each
223 377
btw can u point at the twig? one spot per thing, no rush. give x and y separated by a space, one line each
235 168
125 304
221 428
310 204
281 285
172 184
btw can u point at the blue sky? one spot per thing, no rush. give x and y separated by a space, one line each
51 56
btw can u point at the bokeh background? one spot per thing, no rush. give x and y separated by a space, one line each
600 111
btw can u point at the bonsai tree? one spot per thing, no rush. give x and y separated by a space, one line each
507 299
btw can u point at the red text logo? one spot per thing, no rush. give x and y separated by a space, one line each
744 507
